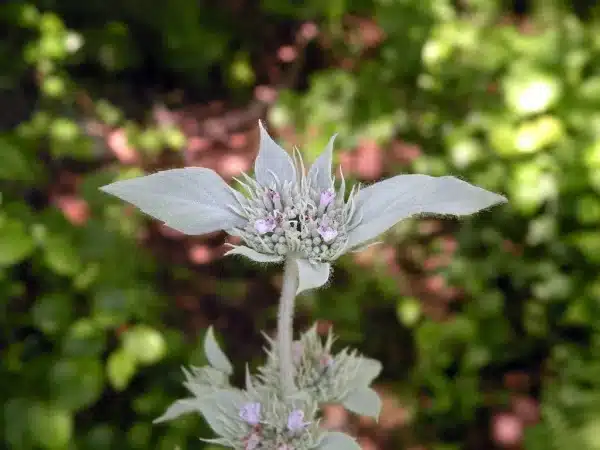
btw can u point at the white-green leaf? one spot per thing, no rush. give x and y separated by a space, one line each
369 369
205 380
177 409
335 440
320 171
272 158
311 275
223 442
248 377
199 390
384 204
216 357
192 200
363 401
221 409
254 255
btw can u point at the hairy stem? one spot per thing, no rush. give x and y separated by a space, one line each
284 326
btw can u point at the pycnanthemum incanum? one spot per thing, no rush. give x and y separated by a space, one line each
290 212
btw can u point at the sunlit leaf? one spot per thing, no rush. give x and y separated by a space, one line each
364 401
120 369
51 427
144 344
16 243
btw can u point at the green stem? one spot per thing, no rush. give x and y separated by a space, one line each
284 326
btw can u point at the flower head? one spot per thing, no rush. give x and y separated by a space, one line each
289 212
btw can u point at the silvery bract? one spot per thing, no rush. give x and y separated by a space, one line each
343 378
257 417
290 212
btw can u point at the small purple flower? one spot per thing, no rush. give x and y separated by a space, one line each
326 198
273 194
295 421
265 225
326 232
250 413
252 442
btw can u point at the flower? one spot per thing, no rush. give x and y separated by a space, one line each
250 413
296 421
252 442
289 212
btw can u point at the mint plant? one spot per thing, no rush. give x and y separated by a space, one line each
299 217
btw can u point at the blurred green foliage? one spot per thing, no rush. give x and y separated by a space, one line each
505 96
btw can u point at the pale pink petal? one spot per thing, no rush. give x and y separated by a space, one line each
197 144
369 160
347 162
507 430
309 31
117 142
287 53
200 254
238 140
233 165
335 417
75 209
266 94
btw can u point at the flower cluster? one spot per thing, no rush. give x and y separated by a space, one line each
289 212
256 417
343 378
302 217
272 429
